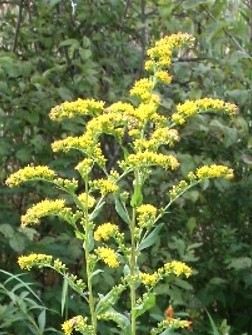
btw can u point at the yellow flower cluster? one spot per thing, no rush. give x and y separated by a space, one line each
77 323
83 107
163 77
149 279
86 199
214 171
146 215
105 231
68 143
159 137
85 143
143 89
190 108
121 107
178 268
177 323
41 209
161 54
147 159
30 173
27 262
105 186
108 256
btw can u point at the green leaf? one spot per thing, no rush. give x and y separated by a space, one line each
96 211
121 211
147 304
213 326
240 263
42 321
6 230
151 238
17 242
137 197
64 295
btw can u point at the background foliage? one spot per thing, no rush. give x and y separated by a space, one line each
54 50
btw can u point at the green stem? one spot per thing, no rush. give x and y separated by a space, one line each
133 262
88 230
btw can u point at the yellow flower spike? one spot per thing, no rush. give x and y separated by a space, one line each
214 171
178 268
192 107
27 262
105 231
42 209
30 173
149 279
147 159
108 256
146 215
82 107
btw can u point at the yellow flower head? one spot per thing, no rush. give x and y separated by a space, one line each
27 262
146 215
214 171
105 186
83 107
108 256
149 279
44 208
78 323
178 268
30 173
105 231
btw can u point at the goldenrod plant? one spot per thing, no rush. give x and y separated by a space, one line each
145 136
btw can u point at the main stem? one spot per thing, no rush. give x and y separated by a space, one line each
91 300
133 273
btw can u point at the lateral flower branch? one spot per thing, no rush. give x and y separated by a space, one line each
147 129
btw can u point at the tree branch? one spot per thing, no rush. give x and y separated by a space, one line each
17 28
